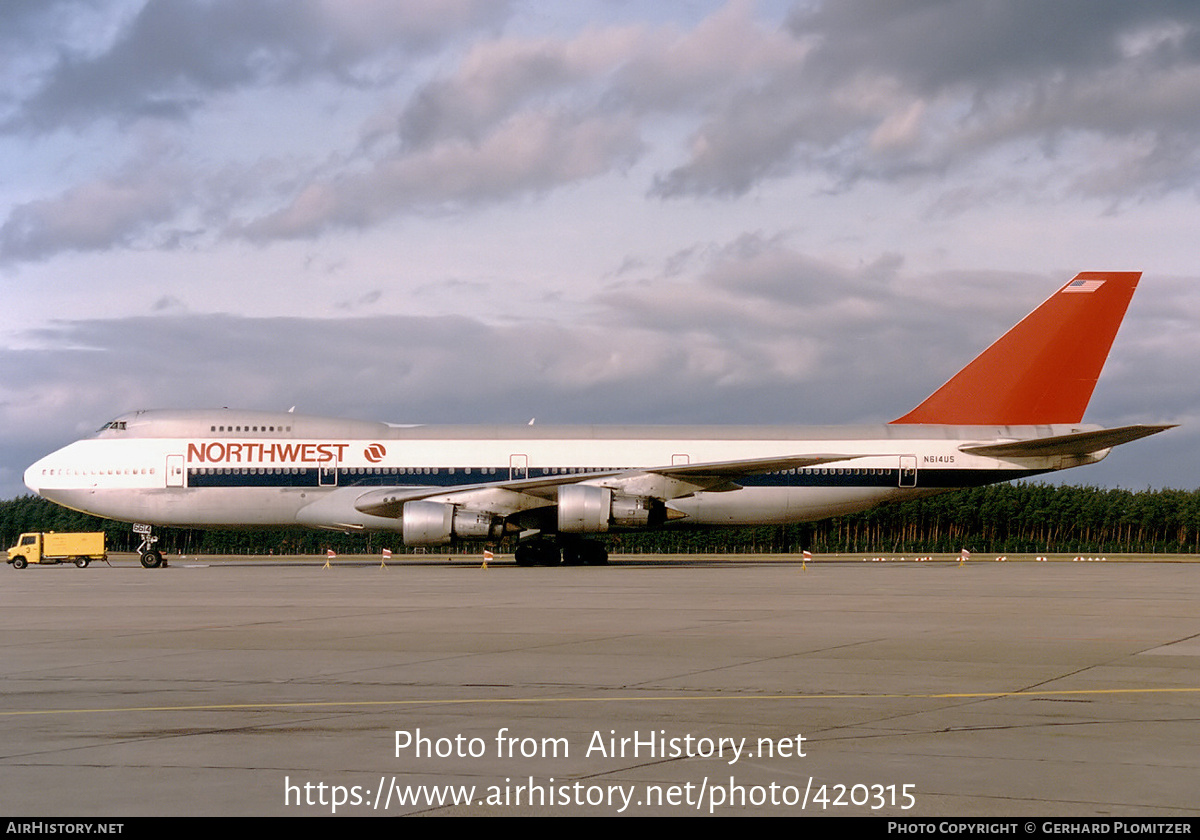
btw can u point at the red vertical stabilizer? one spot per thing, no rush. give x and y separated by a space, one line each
1044 369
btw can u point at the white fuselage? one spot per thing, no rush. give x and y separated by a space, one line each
234 468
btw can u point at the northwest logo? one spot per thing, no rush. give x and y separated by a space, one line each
374 453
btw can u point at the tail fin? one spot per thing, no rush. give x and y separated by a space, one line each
1044 369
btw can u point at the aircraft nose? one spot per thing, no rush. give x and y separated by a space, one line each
33 476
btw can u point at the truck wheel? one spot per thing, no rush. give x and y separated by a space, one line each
152 559
82 562
19 563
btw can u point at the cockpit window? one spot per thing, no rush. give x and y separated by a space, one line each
116 425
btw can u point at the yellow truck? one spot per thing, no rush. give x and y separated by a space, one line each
51 548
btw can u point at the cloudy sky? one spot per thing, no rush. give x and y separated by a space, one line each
595 211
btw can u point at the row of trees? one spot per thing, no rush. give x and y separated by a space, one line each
1000 518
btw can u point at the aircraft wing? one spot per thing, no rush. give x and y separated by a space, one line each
1079 443
666 482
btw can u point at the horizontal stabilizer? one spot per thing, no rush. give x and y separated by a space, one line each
1079 443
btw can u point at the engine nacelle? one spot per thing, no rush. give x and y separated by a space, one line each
583 509
586 509
435 523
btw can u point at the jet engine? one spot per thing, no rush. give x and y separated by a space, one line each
435 523
586 509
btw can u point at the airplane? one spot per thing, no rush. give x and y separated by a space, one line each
1015 411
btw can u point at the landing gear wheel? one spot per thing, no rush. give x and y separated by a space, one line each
19 562
537 553
152 559
584 553
548 554
525 555
595 554
82 562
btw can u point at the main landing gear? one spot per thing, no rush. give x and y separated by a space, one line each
544 552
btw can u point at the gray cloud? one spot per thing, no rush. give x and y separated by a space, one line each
532 151
171 56
501 77
94 215
892 89
520 115
1097 99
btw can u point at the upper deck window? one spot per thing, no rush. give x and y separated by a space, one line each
244 429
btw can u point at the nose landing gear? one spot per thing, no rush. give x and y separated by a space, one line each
150 556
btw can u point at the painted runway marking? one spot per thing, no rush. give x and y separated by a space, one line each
481 701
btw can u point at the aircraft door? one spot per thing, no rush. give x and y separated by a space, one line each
327 473
908 470
175 473
518 467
